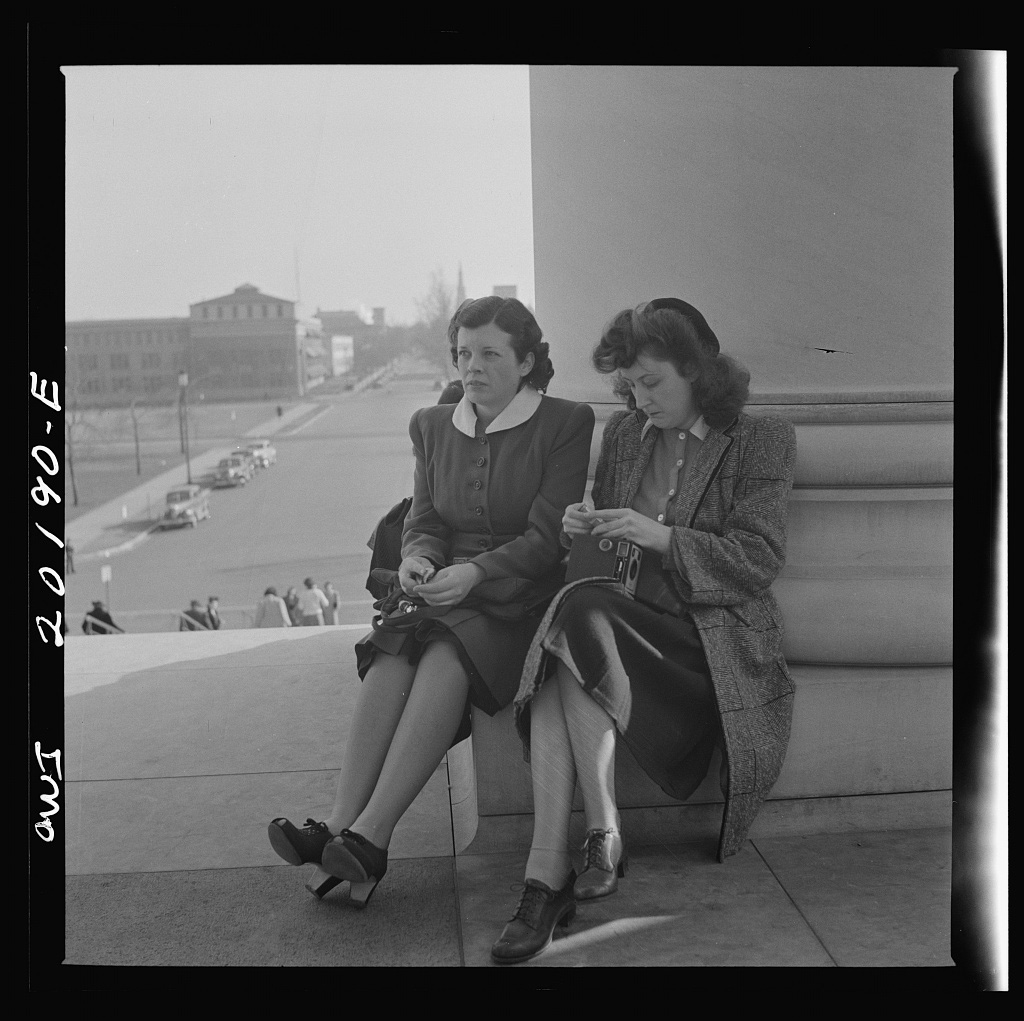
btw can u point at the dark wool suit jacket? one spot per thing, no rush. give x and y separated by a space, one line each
497 498
728 545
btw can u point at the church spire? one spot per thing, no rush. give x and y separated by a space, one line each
460 291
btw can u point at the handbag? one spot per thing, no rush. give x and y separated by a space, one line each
386 543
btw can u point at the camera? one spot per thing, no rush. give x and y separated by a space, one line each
596 557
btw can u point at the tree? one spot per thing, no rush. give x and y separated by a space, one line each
436 309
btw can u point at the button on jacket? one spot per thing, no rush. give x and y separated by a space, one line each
495 496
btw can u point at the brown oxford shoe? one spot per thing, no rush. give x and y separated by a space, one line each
606 865
531 928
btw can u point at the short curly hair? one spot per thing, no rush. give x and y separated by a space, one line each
511 316
670 330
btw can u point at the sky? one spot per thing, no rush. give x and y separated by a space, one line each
342 187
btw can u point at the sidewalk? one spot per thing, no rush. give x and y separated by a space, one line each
121 523
181 748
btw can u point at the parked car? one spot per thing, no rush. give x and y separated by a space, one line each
231 471
263 453
186 507
247 459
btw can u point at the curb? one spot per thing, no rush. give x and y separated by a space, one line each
122 548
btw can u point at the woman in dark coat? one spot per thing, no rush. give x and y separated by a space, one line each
481 558
695 662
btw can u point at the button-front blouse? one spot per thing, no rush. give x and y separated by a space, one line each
665 475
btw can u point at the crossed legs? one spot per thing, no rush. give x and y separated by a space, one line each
404 722
571 738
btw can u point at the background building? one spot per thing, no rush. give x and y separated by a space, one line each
247 344
113 361
360 345
505 290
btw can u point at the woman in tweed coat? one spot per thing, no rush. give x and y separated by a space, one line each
703 489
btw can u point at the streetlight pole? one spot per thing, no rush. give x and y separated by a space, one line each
135 430
183 383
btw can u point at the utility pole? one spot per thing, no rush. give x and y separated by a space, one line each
183 383
135 430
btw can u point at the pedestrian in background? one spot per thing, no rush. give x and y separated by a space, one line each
333 599
312 603
271 611
212 612
194 618
98 621
291 600
69 558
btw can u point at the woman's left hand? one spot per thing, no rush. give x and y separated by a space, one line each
626 523
450 585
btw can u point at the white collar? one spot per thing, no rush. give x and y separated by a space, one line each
700 428
518 410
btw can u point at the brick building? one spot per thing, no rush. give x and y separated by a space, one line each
112 361
246 344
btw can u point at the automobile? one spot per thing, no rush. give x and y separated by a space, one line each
264 454
247 458
231 471
186 507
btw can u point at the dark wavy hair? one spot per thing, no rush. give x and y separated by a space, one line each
511 316
721 385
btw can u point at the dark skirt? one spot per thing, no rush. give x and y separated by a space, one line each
647 670
491 651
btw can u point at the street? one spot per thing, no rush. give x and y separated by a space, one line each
308 515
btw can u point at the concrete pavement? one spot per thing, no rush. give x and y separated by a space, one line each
181 747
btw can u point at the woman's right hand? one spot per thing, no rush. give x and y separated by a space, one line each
578 519
414 571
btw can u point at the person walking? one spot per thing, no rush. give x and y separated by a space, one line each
194 618
333 600
271 611
69 557
312 603
99 622
213 613
291 601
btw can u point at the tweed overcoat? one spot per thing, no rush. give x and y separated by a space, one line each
727 546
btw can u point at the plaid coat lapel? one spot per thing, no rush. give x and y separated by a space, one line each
640 463
710 456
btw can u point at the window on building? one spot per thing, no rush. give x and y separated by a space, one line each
280 311
264 307
120 361
234 311
206 312
151 360
220 311
88 362
248 311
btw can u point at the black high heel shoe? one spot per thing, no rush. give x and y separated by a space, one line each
602 872
531 928
351 856
299 847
